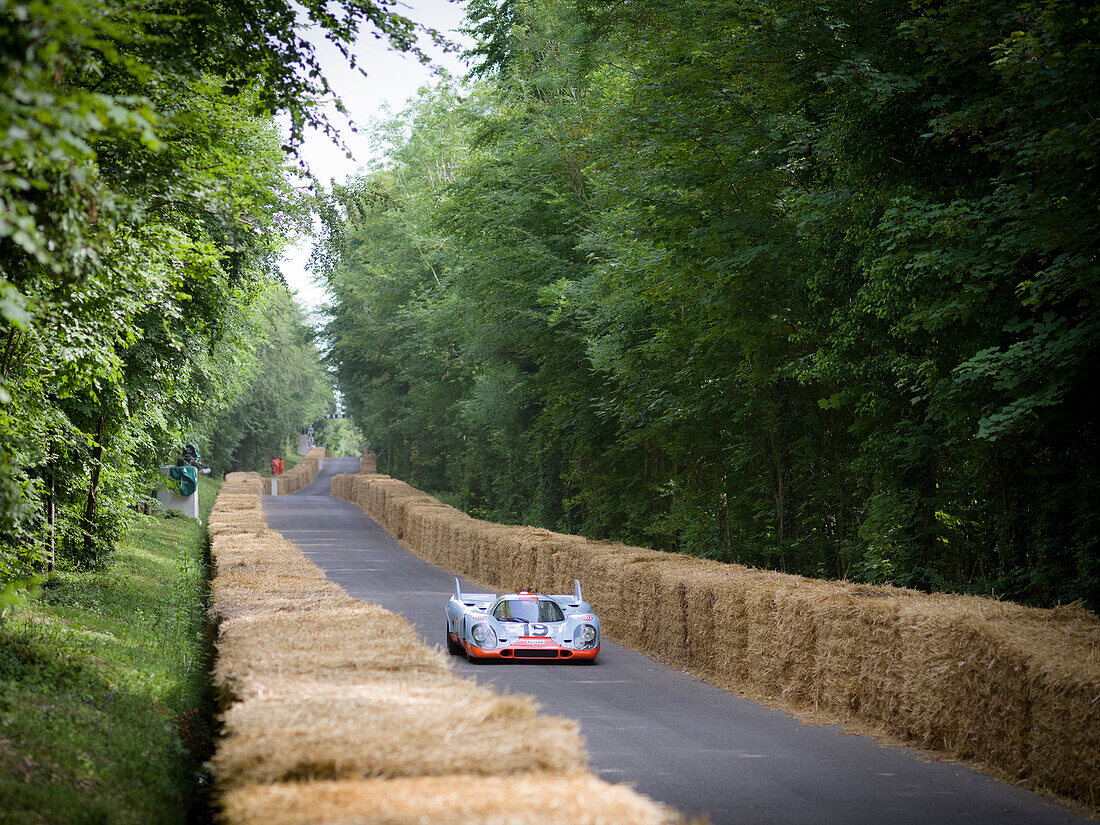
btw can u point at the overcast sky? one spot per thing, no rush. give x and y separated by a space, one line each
391 79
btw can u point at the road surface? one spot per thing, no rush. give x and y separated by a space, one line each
671 736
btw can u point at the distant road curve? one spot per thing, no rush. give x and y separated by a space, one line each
676 739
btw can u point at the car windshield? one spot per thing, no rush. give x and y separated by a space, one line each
528 610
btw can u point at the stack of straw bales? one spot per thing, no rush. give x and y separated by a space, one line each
1014 688
335 712
303 472
368 463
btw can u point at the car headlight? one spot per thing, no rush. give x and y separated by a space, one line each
483 636
586 636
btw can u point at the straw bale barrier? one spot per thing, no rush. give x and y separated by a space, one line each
1016 689
452 800
334 711
368 462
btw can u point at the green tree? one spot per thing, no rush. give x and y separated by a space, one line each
289 390
804 285
144 193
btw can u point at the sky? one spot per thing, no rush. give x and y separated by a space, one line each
392 78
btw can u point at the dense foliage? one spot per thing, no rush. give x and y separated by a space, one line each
144 195
804 285
288 391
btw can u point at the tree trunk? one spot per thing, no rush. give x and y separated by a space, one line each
51 520
87 526
9 349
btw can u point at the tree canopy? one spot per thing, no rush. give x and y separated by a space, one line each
145 192
807 285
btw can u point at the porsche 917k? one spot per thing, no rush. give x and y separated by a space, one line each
523 626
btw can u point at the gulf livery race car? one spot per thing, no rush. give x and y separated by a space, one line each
522 626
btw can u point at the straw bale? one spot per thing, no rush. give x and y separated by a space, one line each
445 526
1066 757
239 594
341 628
239 675
518 555
368 463
528 554
623 595
426 520
238 604
641 604
452 800
731 630
957 689
245 500
398 498
423 519
378 496
1063 745
230 513
340 486
858 657
260 555
477 551
356 637
227 522
561 561
237 510
688 591
794 639
383 498
594 565
264 553
358 490
453 544
465 539
368 494
389 728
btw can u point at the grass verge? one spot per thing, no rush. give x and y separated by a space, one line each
105 702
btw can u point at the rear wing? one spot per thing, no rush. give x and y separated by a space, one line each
472 599
572 601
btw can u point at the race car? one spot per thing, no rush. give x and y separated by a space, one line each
522 626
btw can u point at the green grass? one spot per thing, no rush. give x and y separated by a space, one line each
102 679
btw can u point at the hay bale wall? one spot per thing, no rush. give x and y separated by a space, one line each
1015 688
301 473
333 710
368 463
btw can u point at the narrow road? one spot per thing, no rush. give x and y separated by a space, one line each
673 737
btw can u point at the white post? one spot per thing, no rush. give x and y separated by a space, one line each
274 486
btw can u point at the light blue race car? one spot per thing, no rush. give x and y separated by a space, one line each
522 626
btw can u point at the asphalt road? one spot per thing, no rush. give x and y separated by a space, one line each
673 737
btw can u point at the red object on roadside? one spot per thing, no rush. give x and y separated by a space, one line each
274 466
279 466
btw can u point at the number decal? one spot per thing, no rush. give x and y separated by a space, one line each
539 630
